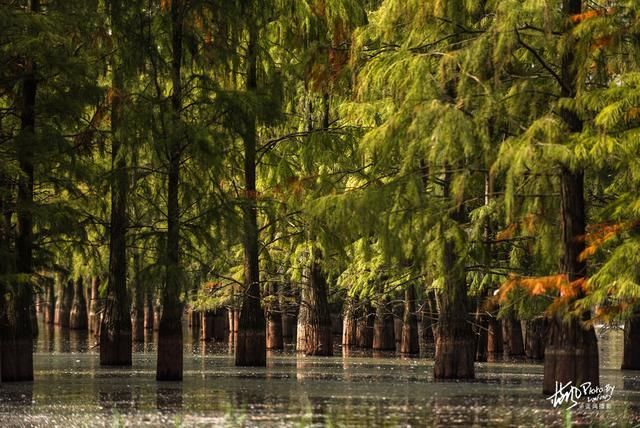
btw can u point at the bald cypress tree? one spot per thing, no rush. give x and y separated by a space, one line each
115 331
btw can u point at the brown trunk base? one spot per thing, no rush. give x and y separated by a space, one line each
137 327
631 353
169 363
454 357
494 337
571 355
512 335
384 337
536 331
455 350
349 327
315 340
250 350
410 344
274 331
115 347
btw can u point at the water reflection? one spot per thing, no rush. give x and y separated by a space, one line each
352 388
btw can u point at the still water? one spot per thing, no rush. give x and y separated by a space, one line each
71 389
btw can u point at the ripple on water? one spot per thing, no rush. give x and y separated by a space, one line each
71 389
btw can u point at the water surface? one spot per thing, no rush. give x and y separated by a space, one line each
71 389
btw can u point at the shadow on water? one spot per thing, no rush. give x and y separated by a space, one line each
353 388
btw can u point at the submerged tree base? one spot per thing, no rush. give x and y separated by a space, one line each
455 353
169 364
115 347
631 355
571 355
251 346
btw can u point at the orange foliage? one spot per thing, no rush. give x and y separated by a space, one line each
559 287
212 285
577 18
598 234
507 232
601 42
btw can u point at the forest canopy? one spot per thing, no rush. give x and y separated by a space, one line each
313 157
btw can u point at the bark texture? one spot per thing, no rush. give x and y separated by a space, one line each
535 333
314 320
169 364
631 353
410 343
384 338
78 318
349 324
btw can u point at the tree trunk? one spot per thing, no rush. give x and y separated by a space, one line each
169 364
23 333
364 329
482 326
274 319
512 335
495 343
289 314
49 309
429 315
148 311
115 331
410 343
455 343
384 338
137 309
314 320
64 302
349 324
251 346
95 307
536 331
571 351
207 326
631 353
78 319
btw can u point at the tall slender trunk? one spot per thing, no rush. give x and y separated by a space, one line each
481 316
23 328
6 335
137 309
95 307
50 305
410 344
571 352
115 331
78 319
148 310
64 290
430 319
251 346
482 327
169 364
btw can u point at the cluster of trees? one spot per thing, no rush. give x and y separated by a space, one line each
449 160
